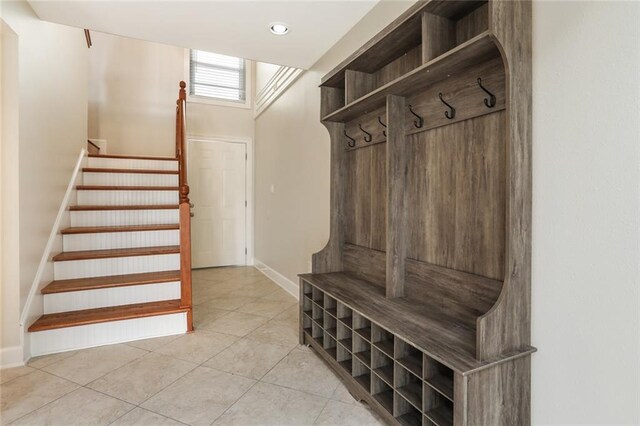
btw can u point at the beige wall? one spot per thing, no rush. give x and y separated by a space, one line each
9 230
133 90
292 154
52 98
586 201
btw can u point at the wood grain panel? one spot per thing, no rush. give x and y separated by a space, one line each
462 92
507 326
472 24
365 203
438 35
456 206
396 175
500 395
365 263
332 99
357 84
399 67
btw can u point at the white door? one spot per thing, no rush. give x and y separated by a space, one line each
217 179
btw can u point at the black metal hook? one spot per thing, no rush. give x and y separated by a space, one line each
368 136
452 111
491 102
384 132
419 122
352 141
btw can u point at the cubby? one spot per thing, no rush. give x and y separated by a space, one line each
421 297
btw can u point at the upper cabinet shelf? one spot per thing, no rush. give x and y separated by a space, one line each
477 50
404 35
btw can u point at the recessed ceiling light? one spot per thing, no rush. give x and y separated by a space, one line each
278 28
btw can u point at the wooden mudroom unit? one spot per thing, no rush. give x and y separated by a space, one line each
420 300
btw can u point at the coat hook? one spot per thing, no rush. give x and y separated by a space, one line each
368 137
452 111
352 141
384 132
419 122
491 102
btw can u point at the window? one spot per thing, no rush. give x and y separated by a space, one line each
217 76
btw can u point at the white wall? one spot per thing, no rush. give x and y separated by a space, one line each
52 128
292 154
132 98
586 201
586 209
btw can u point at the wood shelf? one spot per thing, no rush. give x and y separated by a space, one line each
442 384
385 373
441 416
474 51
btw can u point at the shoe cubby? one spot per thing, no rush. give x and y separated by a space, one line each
438 376
306 323
307 290
362 326
382 366
405 413
437 408
307 305
317 314
362 374
317 333
362 350
344 336
317 297
408 385
382 392
345 315
330 306
382 339
344 358
330 345
408 356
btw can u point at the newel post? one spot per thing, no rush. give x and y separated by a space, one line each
185 208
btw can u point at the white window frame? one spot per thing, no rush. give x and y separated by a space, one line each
248 101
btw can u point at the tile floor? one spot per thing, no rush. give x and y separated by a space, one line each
242 366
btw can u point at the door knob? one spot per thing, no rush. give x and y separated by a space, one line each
191 214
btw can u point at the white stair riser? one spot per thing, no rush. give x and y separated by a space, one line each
116 240
116 296
87 336
115 266
124 198
124 217
130 163
118 179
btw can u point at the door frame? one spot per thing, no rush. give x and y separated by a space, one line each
248 142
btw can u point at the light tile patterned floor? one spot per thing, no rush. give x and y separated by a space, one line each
242 366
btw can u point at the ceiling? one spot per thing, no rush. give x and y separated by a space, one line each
237 28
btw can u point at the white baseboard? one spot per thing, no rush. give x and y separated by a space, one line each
286 284
11 357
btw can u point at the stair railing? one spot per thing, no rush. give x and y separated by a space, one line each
185 206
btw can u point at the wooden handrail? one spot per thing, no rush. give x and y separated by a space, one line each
185 208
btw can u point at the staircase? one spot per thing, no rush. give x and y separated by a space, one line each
125 269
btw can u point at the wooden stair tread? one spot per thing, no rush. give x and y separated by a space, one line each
79 284
124 252
127 228
132 207
125 188
145 171
112 313
133 157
